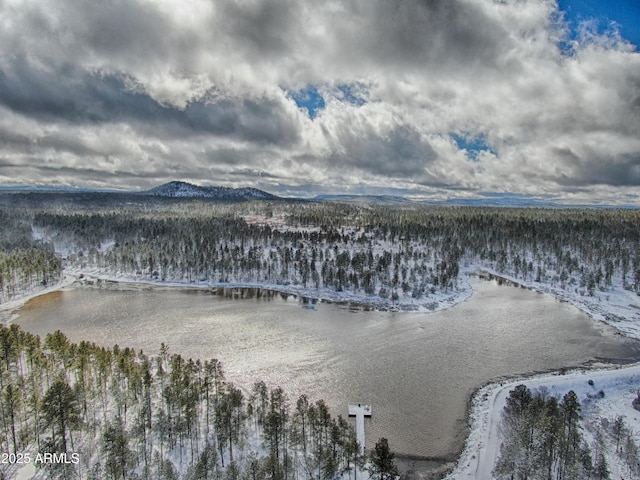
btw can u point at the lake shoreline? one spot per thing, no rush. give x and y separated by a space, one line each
609 312
606 312
603 313
437 302
426 465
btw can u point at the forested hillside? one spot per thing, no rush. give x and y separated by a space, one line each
128 415
399 255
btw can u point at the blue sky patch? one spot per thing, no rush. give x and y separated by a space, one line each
350 95
624 14
473 144
309 99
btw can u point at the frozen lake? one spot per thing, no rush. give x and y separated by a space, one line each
416 370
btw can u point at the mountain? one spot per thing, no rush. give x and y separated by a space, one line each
176 190
188 190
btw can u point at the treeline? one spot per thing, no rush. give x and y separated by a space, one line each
395 253
542 439
402 255
227 249
26 263
26 270
118 414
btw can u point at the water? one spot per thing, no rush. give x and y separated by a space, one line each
416 370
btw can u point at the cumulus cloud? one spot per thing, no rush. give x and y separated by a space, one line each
131 93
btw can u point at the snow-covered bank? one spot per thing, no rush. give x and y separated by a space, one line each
7 309
482 448
616 307
435 302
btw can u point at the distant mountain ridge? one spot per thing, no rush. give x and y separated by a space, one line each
178 189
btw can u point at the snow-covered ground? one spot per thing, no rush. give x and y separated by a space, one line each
620 386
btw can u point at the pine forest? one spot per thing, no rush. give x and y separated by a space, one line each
127 415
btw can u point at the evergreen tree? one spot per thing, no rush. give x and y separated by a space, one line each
571 437
61 411
115 444
382 463
601 468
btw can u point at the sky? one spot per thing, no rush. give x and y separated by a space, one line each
425 98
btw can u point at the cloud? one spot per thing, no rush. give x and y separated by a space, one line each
361 145
71 95
153 89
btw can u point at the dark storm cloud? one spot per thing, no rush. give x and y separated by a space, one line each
261 28
624 172
441 34
21 142
595 168
122 28
91 172
44 173
68 94
72 95
128 31
398 153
